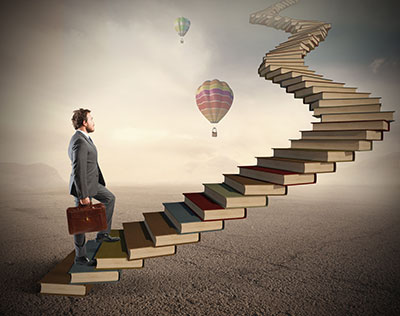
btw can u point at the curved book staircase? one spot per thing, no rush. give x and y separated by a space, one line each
350 121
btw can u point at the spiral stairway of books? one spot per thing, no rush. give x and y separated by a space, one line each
350 121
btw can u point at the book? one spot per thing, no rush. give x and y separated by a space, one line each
335 144
209 210
269 73
227 197
296 165
365 108
314 154
358 125
163 232
303 84
249 186
186 221
114 255
343 102
372 116
292 78
335 95
88 274
277 176
57 281
317 89
351 134
139 243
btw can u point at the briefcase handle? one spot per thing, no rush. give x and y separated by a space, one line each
90 205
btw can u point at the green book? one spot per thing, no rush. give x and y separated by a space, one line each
88 274
114 255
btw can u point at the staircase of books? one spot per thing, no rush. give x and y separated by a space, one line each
350 121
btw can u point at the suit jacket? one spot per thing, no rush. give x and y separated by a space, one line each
86 173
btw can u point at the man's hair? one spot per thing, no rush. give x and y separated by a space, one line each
79 117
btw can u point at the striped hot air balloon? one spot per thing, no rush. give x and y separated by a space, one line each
214 99
182 26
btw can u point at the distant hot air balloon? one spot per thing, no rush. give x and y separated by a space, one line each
214 99
182 26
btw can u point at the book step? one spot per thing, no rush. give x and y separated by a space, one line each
335 95
114 255
334 144
284 59
89 274
228 197
58 280
249 186
346 134
371 116
163 232
314 154
209 210
308 42
276 73
308 35
317 35
187 221
293 48
282 177
139 244
317 89
378 125
271 68
283 63
269 74
287 56
305 43
291 54
296 165
366 108
292 78
344 102
303 84
317 31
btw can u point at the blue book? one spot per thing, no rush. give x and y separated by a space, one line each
88 274
187 221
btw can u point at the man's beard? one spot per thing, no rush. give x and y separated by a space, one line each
90 129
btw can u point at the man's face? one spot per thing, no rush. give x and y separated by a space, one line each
89 123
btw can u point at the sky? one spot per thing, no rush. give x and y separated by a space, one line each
123 60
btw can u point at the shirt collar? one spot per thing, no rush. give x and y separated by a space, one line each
84 133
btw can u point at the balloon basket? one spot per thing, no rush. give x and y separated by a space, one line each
181 40
214 132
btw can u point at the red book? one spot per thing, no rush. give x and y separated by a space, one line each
206 209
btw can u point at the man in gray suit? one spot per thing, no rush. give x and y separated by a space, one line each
86 181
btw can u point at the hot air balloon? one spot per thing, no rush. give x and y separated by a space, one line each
214 99
182 26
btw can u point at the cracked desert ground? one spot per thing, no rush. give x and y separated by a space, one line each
321 250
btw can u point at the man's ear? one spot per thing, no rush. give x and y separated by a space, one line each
84 123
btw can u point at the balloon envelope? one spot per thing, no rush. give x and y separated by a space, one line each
182 25
214 99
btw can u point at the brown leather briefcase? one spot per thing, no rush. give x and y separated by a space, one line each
86 218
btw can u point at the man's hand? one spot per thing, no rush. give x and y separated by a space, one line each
85 201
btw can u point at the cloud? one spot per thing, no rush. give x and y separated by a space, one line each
376 64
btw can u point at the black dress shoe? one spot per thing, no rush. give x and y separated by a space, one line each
85 261
106 237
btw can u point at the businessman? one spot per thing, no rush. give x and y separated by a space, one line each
86 181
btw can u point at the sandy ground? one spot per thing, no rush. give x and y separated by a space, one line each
318 251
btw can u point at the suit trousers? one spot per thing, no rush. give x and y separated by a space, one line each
108 199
